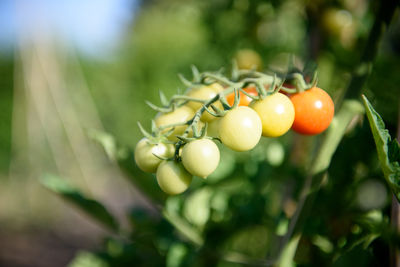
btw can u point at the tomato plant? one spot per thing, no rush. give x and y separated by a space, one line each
278 204
314 110
276 112
145 154
172 177
240 129
200 157
244 99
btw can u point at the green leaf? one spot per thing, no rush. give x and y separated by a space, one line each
184 227
388 149
176 255
197 207
286 258
90 206
87 259
107 141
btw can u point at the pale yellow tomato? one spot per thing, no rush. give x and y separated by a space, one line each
276 112
217 87
204 93
144 154
248 59
181 114
200 157
207 117
172 177
240 129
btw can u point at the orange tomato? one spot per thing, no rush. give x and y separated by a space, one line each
314 110
244 99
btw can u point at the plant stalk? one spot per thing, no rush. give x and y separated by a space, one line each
395 212
384 15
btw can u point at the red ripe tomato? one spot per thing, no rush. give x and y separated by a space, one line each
314 110
244 99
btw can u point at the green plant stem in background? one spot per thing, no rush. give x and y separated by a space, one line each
395 222
317 173
363 69
395 211
334 135
184 228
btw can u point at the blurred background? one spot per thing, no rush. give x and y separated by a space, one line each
68 67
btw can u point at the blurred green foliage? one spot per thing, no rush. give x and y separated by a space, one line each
241 213
6 101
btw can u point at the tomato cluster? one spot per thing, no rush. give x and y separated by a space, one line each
182 145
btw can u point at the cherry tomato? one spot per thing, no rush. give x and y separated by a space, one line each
248 59
200 157
244 99
217 87
172 177
240 129
314 111
144 154
276 112
181 114
205 93
341 24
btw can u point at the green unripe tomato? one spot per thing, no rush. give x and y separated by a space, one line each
172 177
144 154
276 112
240 129
200 157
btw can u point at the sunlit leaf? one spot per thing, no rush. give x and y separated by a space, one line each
388 149
184 228
197 207
176 255
106 140
87 259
